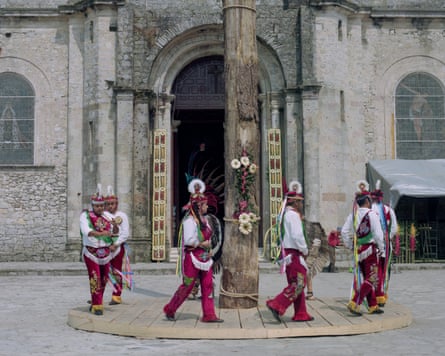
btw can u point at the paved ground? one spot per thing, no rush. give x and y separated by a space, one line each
33 320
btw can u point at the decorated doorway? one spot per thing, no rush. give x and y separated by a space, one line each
198 115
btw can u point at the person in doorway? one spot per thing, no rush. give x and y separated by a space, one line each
388 222
195 259
363 234
97 232
293 252
119 248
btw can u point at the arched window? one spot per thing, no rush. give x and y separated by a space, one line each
16 120
420 118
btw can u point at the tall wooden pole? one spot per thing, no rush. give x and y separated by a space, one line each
239 281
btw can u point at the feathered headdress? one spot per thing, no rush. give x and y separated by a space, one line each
377 194
97 198
110 194
295 191
196 188
362 187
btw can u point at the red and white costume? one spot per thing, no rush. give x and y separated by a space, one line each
295 249
197 263
389 228
96 253
117 256
369 238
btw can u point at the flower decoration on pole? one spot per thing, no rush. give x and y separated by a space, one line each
245 171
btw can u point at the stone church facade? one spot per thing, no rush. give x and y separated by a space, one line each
120 92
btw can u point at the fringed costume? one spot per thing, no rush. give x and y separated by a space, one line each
388 222
293 250
195 260
362 233
97 236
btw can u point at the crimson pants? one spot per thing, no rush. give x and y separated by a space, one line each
190 274
294 292
380 291
98 275
369 270
116 263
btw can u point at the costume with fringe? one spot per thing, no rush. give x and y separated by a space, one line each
120 255
388 223
96 253
293 250
362 234
195 263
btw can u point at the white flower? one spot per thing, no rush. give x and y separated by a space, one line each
245 228
235 163
252 168
253 218
245 161
244 218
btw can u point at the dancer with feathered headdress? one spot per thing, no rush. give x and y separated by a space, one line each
120 261
98 234
388 222
363 235
195 260
292 257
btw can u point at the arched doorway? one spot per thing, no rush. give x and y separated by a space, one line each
198 143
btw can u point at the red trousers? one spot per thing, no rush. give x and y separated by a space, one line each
294 292
98 275
380 290
116 263
190 274
369 269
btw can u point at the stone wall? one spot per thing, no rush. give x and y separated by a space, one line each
341 66
33 201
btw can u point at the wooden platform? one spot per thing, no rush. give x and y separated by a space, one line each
143 318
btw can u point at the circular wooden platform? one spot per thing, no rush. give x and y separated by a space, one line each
143 318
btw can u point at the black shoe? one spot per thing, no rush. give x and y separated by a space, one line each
96 312
217 320
376 311
275 313
170 317
113 303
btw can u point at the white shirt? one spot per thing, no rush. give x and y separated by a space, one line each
293 231
85 229
124 227
190 232
348 229
377 208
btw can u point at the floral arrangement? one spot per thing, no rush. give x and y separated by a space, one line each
245 177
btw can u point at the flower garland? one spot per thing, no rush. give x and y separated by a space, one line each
245 171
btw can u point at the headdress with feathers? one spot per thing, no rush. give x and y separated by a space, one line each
377 193
97 197
295 191
110 194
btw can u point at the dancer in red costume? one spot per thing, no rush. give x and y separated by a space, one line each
119 247
363 234
293 252
388 221
97 236
196 256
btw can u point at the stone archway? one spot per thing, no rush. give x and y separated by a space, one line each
192 45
